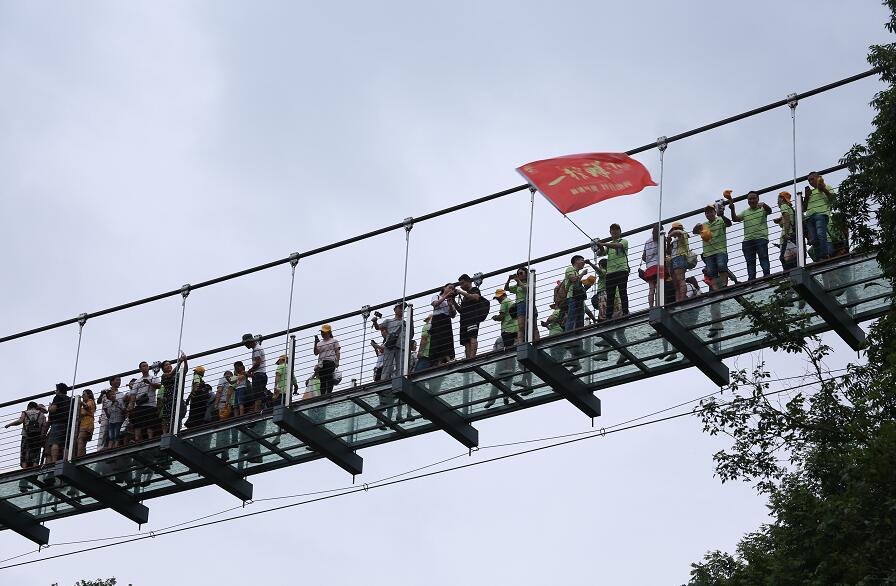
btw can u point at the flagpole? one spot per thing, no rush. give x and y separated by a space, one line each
531 221
661 144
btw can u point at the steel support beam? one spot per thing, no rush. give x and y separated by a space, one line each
103 491
827 308
683 340
558 378
12 517
436 410
209 467
318 438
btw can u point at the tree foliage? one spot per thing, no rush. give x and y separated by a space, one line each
823 454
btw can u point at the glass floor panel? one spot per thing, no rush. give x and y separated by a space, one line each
492 384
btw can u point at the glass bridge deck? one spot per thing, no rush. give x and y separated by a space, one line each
489 385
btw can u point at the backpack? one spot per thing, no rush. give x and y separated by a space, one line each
392 340
32 425
578 291
560 295
479 313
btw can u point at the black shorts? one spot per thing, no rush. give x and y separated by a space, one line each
468 331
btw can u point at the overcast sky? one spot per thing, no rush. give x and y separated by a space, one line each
144 145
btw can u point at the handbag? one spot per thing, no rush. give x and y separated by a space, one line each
225 412
790 251
692 259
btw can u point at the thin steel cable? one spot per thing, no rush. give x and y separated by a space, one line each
78 352
292 285
617 428
531 221
431 215
798 202
660 241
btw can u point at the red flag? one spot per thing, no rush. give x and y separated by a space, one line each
577 181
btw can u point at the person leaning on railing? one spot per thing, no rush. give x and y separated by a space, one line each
143 415
677 241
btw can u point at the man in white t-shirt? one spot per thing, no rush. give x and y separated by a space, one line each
141 398
256 371
393 343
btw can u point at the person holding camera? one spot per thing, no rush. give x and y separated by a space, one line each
327 352
441 344
142 403
393 330
473 309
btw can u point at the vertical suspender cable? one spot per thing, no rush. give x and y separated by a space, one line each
293 261
67 448
408 324
797 200
82 319
290 340
365 314
531 220
661 144
174 425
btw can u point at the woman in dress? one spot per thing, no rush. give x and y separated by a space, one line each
441 336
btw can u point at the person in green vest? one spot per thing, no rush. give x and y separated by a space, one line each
817 200
788 233
281 377
616 250
755 242
715 244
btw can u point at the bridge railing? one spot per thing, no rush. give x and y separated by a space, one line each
358 360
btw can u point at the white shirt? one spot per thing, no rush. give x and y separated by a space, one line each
442 308
257 352
327 350
141 388
650 252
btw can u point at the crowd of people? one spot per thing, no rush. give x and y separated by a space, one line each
147 407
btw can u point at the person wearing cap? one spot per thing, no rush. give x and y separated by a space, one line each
755 242
281 379
327 352
471 313
677 241
788 235
33 422
142 403
509 325
198 400
58 420
715 244
817 200
256 372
